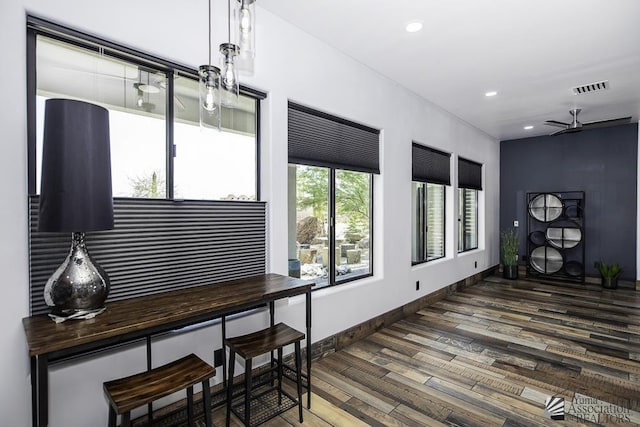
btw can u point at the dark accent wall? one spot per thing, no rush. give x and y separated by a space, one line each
601 162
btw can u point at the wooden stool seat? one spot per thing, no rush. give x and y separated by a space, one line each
261 342
137 390
274 338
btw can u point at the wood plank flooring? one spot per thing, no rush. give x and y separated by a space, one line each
489 356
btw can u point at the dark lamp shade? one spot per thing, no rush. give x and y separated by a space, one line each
75 192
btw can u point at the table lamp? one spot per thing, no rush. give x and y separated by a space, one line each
75 197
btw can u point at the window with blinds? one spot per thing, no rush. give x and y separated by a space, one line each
430 176
331 166
469 184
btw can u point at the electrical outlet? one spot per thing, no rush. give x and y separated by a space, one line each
217 358
516 223
417 285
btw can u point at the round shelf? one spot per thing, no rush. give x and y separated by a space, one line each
564 234
537 238
546 207
546 260
574 268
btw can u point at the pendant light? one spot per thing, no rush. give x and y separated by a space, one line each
229 79
245 35
209 90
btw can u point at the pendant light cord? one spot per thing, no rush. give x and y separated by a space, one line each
209 32
229 20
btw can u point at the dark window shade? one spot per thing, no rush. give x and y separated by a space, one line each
158 246
469 174
429 165
318 139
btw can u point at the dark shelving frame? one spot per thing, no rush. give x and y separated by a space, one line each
573 211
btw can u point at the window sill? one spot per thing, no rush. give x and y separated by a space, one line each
327 289
469 252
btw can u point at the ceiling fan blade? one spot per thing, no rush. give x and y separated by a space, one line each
556 123
99 74
558 132
605 123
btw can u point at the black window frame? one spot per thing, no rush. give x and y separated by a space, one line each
331 232
430 166
462 216
469 179
37 26
444 222
326 147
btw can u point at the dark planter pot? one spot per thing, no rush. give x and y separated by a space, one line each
610 282
510 272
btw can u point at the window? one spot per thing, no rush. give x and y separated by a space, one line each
428 221
431 175
330 196
467 219
469 185
158 149
314 233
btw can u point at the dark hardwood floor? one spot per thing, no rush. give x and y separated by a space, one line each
490 356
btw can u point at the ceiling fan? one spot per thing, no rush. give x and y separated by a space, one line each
576 126
150 86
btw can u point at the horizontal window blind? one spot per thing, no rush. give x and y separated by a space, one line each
429 165
159 245
319 139
469 174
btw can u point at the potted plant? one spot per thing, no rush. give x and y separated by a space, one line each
509 253
610 274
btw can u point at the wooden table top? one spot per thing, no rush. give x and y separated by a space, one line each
141 315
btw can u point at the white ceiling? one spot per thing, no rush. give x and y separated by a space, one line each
531 52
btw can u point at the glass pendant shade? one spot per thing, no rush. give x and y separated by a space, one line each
245 16
209 90
229 84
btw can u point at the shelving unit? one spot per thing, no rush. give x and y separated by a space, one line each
556 235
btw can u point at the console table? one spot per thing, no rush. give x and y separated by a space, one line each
143 317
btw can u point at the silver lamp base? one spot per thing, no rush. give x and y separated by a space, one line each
79 284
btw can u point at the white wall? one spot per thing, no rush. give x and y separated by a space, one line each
290 65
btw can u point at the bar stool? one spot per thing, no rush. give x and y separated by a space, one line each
137 390
255 344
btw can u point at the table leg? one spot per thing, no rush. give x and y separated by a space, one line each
39 391
272 321
223 327
272 313
308 311
149 364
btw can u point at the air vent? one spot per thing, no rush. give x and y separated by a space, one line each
591 87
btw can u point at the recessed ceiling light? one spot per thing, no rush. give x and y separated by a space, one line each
491 93
414 26
528 127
